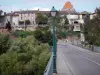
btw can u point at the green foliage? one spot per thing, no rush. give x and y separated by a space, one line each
43 35
41 19
8 26
64 34
61 34
66 20
26 56
22 34
62 26
92 30
58 19
72 33
5 43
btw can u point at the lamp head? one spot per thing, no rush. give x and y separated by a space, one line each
53 12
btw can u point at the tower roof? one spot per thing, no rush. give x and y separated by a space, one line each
68 5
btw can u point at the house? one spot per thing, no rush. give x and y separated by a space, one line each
75 19
2 19
18 18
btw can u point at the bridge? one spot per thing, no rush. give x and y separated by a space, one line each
73 60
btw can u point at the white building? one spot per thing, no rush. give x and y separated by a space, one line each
75 19
20 16
17 18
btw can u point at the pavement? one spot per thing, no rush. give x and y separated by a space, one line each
73 60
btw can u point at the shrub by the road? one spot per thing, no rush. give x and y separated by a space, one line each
26 56
5 43
43 35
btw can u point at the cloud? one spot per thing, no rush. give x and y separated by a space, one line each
15 8
79 5
41 9
10 8
44 1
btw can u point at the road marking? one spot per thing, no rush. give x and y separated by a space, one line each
88 58
91 60
83 57
85 50
67 63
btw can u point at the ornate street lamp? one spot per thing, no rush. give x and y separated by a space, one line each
53 14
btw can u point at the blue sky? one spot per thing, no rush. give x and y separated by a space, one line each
79 5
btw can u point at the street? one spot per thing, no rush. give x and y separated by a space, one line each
77 61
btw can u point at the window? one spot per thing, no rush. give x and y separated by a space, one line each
21 17
75 22
21 22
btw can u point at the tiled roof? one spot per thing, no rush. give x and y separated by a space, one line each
85 12
16 13
26 11
67 12
11 14
45 12
68 5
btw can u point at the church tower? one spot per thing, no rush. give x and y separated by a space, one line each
68 7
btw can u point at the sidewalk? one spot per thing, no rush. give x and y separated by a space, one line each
62 66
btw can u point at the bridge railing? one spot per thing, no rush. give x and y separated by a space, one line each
49 67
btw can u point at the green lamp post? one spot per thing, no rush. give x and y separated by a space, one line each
53 14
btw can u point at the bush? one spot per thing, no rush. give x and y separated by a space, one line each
92 29
5 43
43 35
25 58
22 34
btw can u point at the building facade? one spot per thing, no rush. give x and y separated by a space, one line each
18 18
2 19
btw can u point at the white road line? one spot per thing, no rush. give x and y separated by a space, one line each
86 51
67 63
91 60
83 57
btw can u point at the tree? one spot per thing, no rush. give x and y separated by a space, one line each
1 12
41 19
8 26
62 26
5 43
66 20
92 29
25 58
43 35
27 22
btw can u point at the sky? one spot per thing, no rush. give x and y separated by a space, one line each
46 5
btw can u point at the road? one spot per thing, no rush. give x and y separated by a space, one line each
80 61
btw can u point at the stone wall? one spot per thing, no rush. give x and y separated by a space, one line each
96 48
